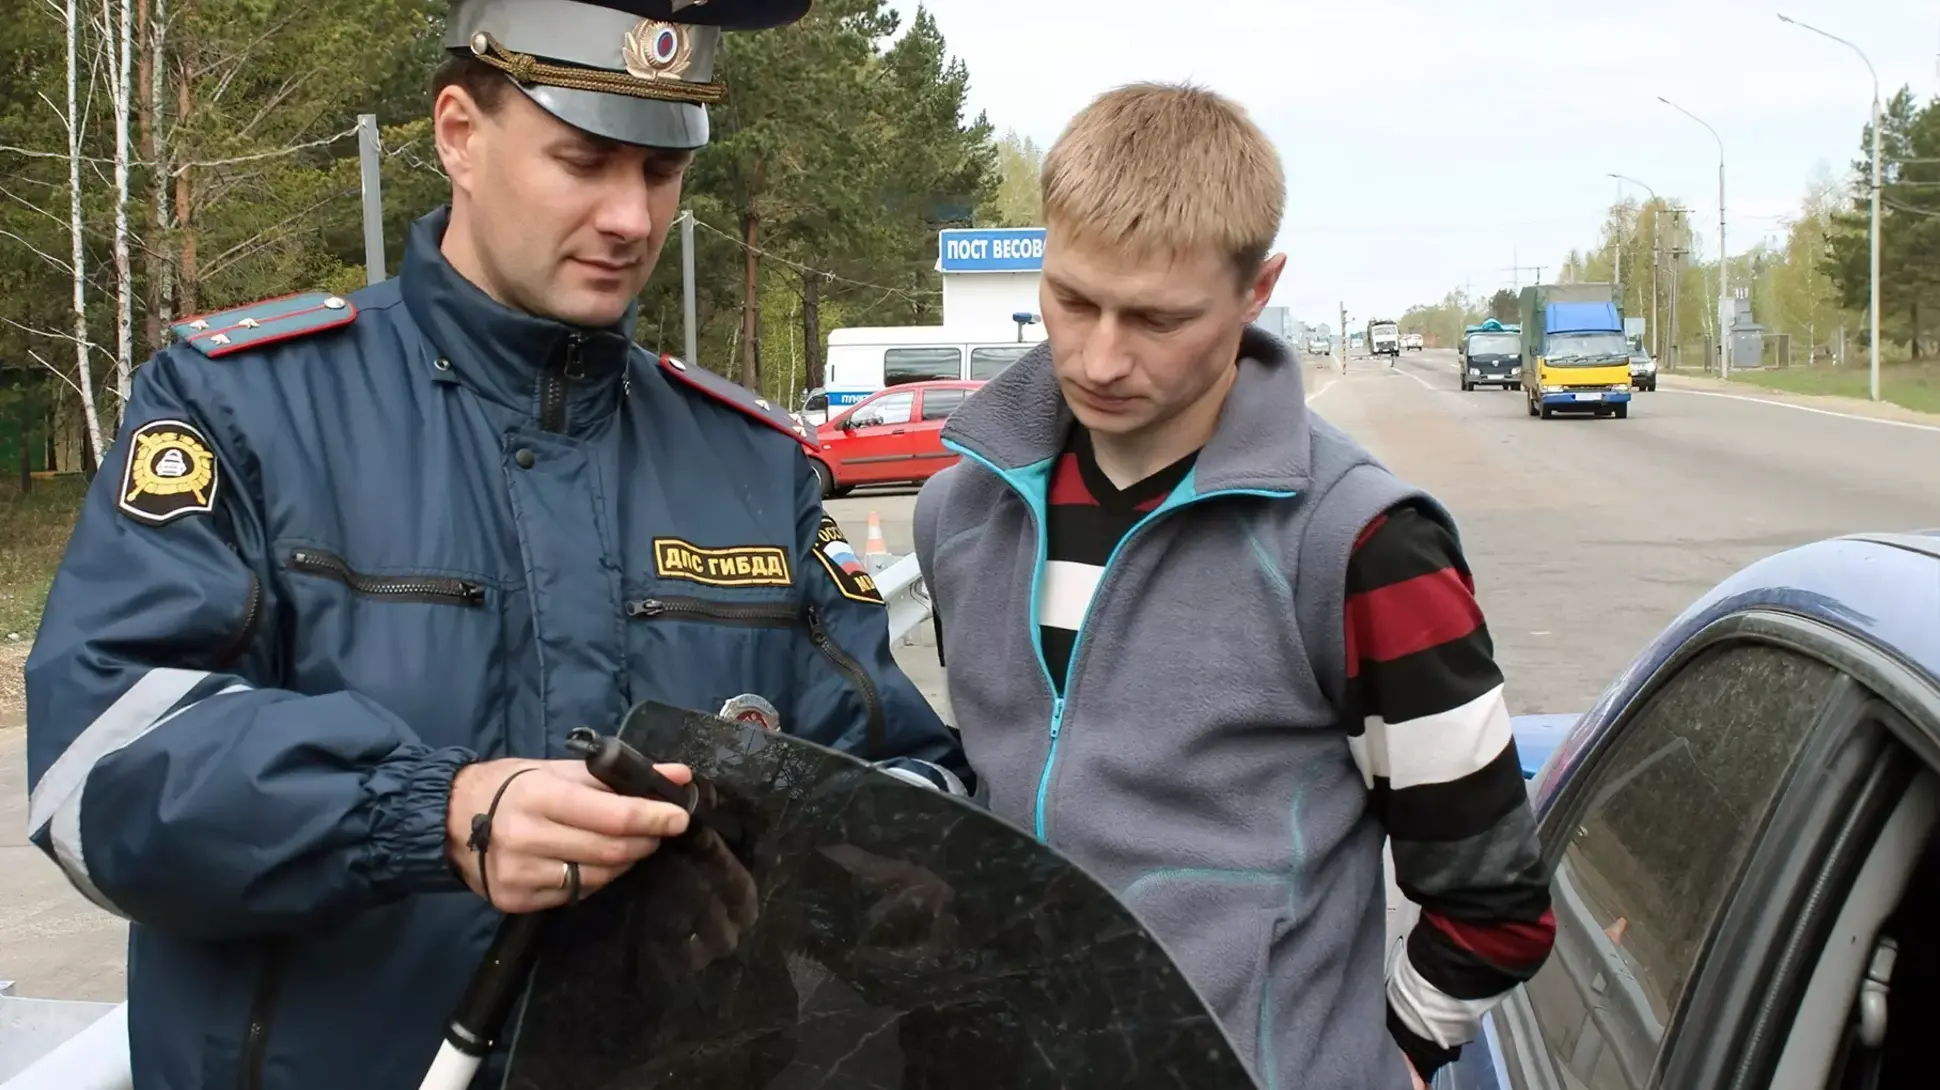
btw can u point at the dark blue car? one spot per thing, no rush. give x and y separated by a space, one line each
1743 833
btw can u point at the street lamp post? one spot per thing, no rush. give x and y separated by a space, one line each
1724 258
1872 305
1656 344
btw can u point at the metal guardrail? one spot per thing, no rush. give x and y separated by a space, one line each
901 584
56 1044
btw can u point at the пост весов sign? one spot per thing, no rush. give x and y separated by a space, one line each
1015 249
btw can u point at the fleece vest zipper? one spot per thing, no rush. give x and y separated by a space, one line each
1031 483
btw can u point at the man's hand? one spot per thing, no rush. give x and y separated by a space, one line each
555 814
690 908
725 905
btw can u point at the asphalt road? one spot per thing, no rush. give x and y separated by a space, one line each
1586 536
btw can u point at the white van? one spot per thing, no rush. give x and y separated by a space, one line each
864 359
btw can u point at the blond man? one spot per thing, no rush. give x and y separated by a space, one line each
1206 645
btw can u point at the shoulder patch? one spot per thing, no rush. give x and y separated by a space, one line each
844 566
736 396
171 472
254 325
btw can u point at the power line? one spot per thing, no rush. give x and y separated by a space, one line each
180 168
907 293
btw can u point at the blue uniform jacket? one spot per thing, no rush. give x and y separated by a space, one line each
342 549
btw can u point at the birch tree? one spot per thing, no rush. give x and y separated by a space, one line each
84 372
120 54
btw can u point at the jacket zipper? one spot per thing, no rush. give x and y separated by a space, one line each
776 616
552 397
251 617
762 616
404 588
1036 630
255 1048
858 677
1058 702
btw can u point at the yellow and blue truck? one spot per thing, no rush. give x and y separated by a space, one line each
1574 355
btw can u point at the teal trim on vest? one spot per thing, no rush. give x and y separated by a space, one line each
1032 483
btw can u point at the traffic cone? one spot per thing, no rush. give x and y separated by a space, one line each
875 551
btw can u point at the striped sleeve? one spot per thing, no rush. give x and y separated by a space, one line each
1430 733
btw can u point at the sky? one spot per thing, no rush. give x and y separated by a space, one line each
1438 144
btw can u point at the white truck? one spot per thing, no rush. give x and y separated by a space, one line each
1384 339
864 359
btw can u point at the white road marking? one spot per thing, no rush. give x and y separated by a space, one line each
1805 409
1425 384
1311 398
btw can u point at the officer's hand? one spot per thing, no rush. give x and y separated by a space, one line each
912 915
555 814
726 901
690 907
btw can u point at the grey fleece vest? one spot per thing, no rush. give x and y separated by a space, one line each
1197 764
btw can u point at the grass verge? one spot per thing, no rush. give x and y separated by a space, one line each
1911 384
34 528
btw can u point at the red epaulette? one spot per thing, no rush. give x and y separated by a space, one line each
266 322
736 396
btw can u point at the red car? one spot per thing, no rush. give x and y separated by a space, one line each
894 436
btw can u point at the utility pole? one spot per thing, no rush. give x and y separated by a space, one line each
1679 247
1873 300
370 158
1873 307
1727 307
1656 259
1725 301
1340 339
687 305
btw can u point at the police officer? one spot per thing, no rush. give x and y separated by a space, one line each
356 565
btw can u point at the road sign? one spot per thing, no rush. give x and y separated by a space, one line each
1009 249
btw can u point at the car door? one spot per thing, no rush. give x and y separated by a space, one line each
875 440
1681 849
927 453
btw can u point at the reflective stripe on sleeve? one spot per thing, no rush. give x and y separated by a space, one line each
55 802
934 777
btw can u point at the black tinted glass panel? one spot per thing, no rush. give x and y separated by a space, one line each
824 925
1672 814
900 365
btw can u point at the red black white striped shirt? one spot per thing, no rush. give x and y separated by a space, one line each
1427 726
1087 517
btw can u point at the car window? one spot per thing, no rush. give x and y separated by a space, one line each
988 363
887 409
1672 814
939 404
900 365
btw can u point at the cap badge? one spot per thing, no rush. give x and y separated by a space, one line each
657 50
